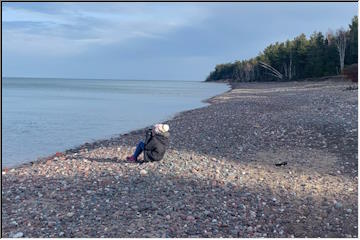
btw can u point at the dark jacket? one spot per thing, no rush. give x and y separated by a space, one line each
155 145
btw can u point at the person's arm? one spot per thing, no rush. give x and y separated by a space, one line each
151 145
148 136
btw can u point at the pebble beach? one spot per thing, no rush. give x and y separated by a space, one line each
261 160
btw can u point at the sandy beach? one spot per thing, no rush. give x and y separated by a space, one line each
218 179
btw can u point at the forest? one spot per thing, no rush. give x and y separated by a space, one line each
317 56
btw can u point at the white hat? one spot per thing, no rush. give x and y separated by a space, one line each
161 128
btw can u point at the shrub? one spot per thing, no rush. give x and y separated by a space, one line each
351 72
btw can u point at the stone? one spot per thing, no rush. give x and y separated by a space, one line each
207 212
338 205
242 206
14 223
17 235
51 223
70 214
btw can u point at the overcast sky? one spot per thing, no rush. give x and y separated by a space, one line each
164 41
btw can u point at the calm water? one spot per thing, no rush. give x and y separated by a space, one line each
43 116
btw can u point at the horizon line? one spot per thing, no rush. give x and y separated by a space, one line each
119 79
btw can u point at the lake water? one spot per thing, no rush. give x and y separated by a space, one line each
43 116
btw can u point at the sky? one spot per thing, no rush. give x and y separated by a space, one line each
151 41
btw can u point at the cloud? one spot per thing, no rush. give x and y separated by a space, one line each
70 28
151 40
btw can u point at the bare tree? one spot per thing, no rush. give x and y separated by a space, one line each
340 41
273 71
289 70
330 36
290 65
248 68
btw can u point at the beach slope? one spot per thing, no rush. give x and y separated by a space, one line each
218 179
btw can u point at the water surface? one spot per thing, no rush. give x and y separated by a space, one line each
42 116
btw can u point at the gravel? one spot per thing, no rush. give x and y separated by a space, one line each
218 179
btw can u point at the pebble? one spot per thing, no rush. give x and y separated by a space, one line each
338 204
70 214
17 235
51 223
143 172
242 206
14 223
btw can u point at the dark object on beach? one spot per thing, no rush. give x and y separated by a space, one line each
351 72
280 164
351 88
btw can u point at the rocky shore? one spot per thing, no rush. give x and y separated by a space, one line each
218 179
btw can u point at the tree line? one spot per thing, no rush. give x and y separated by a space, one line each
296 59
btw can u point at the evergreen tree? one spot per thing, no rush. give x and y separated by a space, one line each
351 55
293 60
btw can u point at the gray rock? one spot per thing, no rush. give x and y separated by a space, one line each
252 214
17 235
70 214
338 205
207 213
